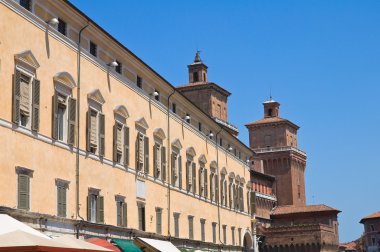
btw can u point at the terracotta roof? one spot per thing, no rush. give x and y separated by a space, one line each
371 216
283 210
267 120
202 84
350 246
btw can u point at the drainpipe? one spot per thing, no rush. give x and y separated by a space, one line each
78 129
168 159
217 170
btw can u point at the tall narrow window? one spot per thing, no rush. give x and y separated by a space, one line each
62 187
95 132
224 234
141 217
23 192
62 26
174 108
95 206
93 49
139 81
176 225
200 126
191 227
239 236
121 211
26 4
214 232
203 237
119 67
176 163
233 235
158 220
142 153
195 77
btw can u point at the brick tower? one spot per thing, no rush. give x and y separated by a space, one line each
208 96
274 141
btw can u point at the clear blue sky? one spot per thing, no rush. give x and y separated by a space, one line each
321 58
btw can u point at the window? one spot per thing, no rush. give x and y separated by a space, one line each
270 112
219 111
95 206
121 211
239 236
220 141
203 181
372 228
174 108
142 160
158 220
214 232
224 234
159 160
213 186
176 163
26 4
93 49
210 134
223 187
64 114
119 67
139 81
191 226
200 126
121 143
203 238
141 213
373 241
62 187
23 192
233 235
176 225
26 100
241 198
191 175
95 132
195 77
62 26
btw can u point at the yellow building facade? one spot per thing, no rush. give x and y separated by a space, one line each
143 166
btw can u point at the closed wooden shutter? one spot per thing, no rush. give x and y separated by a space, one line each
89 210
61 191
138 152
88 130
206 184
100 210
191 231
140 217
146 153
36 105
114 149
101 134
23 192
55 116
222 195
126 146
180 171
119 213
159 220
125 216
16 97
187 175
200 180
194 174
155 162
216 184
163 160
172 169
72 121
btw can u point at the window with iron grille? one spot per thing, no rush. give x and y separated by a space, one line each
93 49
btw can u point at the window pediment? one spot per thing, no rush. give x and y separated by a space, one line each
202 159
96 96
65 79
214 165
191 152
122 111
27 58
159 133
231 175
142 123
177 144
237 178
242 180
223 171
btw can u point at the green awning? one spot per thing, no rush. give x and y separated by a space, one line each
126 245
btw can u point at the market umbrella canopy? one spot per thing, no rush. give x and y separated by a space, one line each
126 245
103 243
156 245
9 224
72 242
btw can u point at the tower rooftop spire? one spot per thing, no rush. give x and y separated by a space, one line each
197 57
